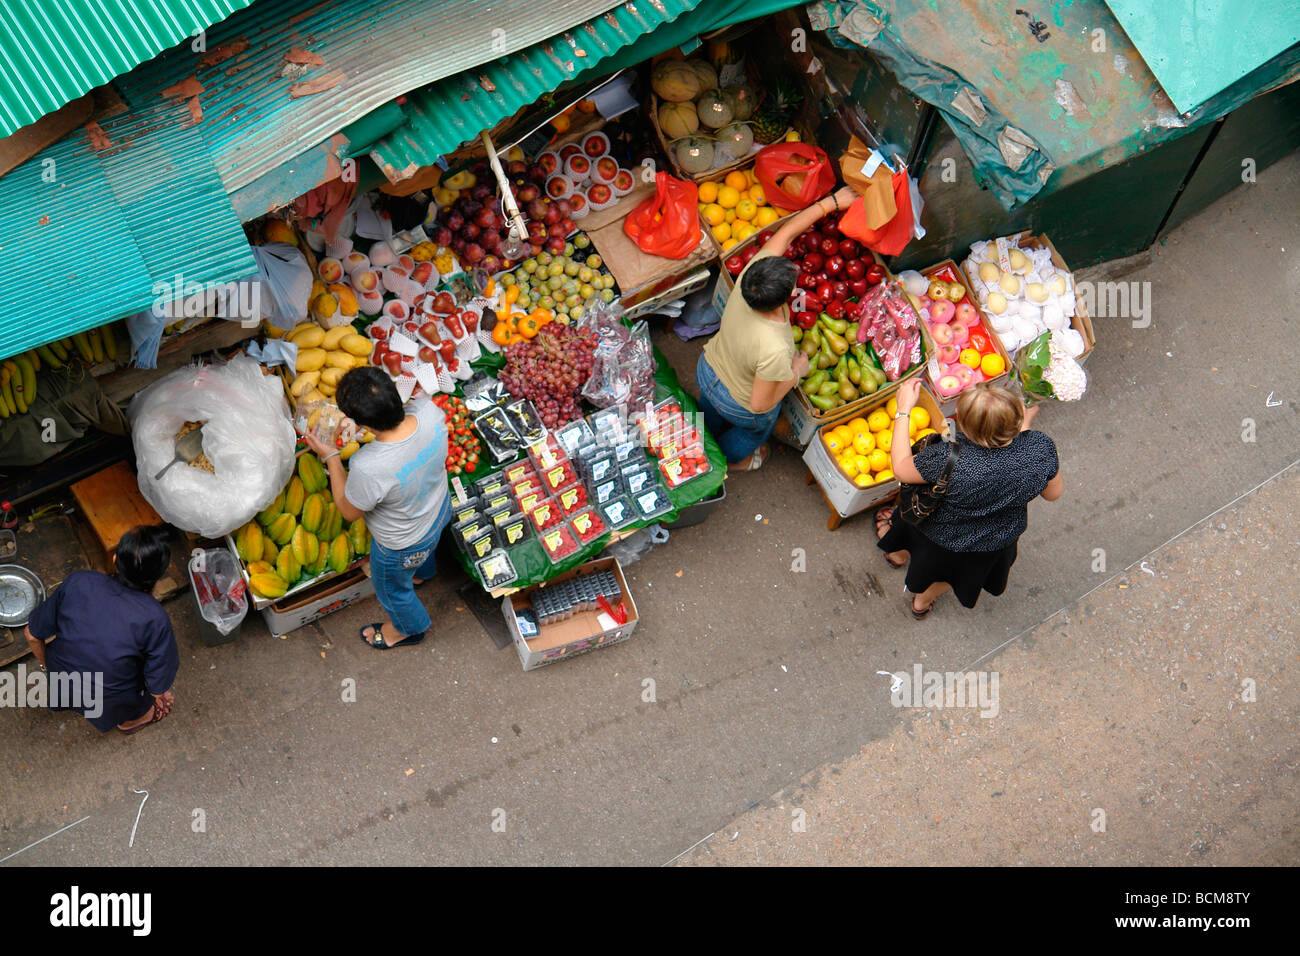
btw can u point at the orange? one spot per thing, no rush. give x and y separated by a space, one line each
849 465
722 232
878 420
920 417
731 216
714 214
879 460
863 479
766 216
833 443
885 475
742 230
728 244
756 193
746 209
864 442
737 180
561 123
708 192
728 196
992 365
884 439
970 358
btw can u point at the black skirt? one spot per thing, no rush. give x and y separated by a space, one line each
967 572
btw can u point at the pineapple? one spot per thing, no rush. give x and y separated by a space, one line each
773 118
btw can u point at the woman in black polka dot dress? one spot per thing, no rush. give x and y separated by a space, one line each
969 543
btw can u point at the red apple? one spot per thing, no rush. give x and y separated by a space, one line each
850 249
825 291
829 247
948 385
813 261
942 334
855 268
841 289
875 273
749 253
835 309
858 287
599 193
735 264
806 280
764 236
835 265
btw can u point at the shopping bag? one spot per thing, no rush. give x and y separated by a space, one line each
876 189
667 224
794 175
890 238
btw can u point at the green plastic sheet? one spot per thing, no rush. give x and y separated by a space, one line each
530 558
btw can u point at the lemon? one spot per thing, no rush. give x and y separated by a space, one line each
884 439
843 434
920 417
849 465
737 180
833 443
714 214
721 232
878 420
731 216
863 479
864 464
891 408
879 460
746 210
857 426
766 216
742 230
728 196
708 192
756 193
863 442
884 476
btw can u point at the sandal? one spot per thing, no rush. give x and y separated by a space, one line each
756 460
377 640
883 516
911 606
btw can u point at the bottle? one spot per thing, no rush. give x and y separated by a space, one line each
8 517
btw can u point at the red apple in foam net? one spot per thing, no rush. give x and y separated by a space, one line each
942 334
606 169
600 193
572 149
941 311
624 182
422 272
967 315
948 353
948 385
960 334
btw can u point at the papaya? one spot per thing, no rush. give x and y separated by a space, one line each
268 585
248 543
306 547
294 495
287 566
340 554
313 510
359 536
282 529
271 511
269 551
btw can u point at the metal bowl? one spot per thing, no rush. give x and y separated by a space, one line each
20 593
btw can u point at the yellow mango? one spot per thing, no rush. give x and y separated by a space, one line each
310 360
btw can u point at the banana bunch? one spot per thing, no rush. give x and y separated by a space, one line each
18 373
18 383
324 357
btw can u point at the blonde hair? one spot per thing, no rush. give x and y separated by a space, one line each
990 415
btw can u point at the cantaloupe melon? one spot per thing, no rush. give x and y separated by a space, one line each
674 81
678 119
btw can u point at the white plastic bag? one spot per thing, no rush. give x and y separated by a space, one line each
247 436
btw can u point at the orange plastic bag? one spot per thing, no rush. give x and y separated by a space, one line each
890 238
667 224
794 175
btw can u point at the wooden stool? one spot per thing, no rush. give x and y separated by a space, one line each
112 503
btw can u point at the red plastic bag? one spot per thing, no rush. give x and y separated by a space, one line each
794 175
667 224
890 238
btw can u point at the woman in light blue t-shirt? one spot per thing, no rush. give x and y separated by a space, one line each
399 483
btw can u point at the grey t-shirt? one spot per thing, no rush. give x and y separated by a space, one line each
401 486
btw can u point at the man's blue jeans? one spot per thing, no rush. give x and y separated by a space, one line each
393 571
737 430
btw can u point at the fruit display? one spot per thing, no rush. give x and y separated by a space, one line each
965 352
560 282
19 384
470 220
299 536
583 176
463 445
835 273
734 207
860 446
840 368
704 124
1023 293
549 370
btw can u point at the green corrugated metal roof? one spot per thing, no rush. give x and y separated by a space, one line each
445 114
90 233
52 51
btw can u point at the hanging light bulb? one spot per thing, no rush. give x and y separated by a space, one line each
514 247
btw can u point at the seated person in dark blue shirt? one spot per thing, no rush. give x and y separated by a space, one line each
112 637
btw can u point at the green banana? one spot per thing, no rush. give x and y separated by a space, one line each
60 350
82 342
96 345
47 354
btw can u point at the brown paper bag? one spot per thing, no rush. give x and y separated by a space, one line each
877 192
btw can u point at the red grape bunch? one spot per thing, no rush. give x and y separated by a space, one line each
550 370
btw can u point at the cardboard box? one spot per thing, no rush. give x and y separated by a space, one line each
948 270
290 613
576 635
845 496
1081 322
260 603
641 277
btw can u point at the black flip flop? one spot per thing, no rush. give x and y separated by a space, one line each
378 628
880 536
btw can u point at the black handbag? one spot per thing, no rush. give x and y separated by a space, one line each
917 502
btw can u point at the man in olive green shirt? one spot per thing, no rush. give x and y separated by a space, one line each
749 365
